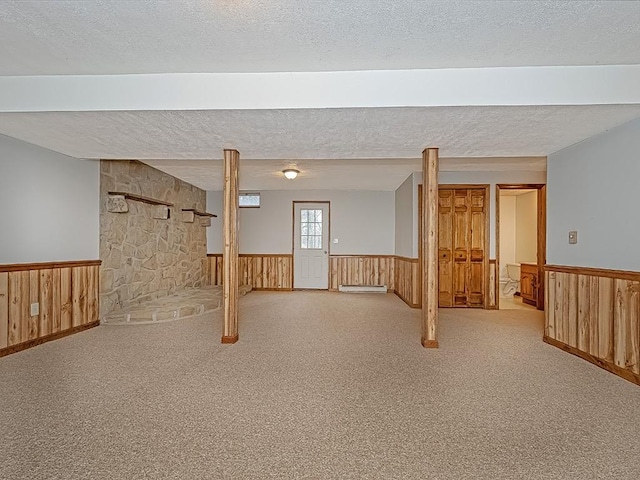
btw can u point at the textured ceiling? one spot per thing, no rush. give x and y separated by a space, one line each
106 37
359 148
312 134
343 174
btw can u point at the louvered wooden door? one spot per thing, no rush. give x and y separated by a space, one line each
462 215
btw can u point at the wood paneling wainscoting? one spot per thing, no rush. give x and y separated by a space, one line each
68 298
401 275
361 270
408 285
261 271
275 272
266 272
214 269
595 314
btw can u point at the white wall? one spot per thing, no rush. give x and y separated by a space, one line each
526 228
507 232
484 177
404 218
362 221
50 205
593 188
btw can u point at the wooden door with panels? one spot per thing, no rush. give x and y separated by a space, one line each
463 245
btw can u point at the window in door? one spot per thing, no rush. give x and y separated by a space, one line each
311 229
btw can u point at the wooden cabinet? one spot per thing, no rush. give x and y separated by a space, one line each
462 237
529 283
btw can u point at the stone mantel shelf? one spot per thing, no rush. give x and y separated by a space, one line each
198 212
140 198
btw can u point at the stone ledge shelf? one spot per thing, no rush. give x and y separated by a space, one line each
117 203
189 216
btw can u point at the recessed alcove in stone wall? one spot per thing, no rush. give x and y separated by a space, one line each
145 258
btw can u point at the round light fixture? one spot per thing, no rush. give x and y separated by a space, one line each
290 173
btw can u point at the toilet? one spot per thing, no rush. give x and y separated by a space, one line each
510 284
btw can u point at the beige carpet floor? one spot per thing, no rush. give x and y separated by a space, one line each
320 385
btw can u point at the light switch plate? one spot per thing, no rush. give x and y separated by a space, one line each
573 237
35 309
335 240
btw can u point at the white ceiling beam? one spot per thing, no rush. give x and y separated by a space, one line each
586 85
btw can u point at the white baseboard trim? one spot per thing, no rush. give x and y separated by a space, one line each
362 288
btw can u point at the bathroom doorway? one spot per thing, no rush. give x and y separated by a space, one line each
520 246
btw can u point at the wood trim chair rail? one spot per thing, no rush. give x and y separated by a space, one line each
596 272
20 267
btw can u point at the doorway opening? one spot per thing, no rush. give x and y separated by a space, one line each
311 224
520 246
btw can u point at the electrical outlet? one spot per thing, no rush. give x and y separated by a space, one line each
573 237
35 309
335 240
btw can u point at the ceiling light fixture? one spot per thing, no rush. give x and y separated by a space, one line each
290 173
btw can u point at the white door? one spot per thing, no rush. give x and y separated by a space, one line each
311 245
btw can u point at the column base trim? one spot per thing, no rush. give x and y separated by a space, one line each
429 343
228 339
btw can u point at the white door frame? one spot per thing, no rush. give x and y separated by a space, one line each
327 238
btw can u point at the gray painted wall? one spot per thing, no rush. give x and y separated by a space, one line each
365 222
593 188
404 218
362 221
50 205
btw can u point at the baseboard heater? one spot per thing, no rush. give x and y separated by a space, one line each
362 288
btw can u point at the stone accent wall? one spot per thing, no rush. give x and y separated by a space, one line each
145 258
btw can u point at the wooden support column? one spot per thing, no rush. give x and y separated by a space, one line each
230 253
429 248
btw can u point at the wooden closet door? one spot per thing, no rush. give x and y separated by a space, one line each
445 248
462 257
477 232
461 247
